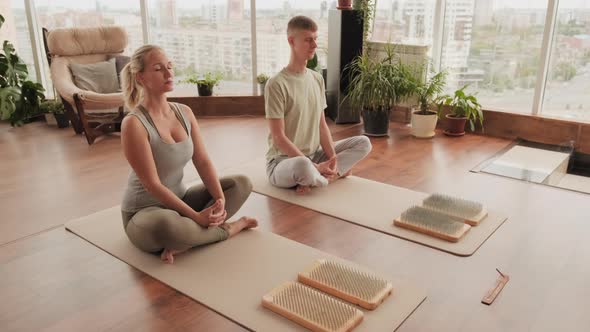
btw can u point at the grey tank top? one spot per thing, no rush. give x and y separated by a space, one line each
170 159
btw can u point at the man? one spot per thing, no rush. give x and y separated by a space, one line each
301 152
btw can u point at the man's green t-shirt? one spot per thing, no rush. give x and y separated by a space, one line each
300 100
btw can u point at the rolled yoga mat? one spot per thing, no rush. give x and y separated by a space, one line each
370 204
230 277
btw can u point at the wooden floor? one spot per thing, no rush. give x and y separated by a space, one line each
51 280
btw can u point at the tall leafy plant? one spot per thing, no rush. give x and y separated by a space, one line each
19 97
378 84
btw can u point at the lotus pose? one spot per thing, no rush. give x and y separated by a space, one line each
161 215
301 152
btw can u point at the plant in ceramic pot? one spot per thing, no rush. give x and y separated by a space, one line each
375 87
424 118
262 79
56 109
205 83
344 4
463 107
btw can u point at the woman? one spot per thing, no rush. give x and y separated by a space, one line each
159 213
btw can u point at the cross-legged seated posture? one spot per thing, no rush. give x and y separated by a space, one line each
301 152
160 214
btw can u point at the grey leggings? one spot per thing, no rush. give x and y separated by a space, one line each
290 172
155 228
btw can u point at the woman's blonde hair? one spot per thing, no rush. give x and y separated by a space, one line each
132 91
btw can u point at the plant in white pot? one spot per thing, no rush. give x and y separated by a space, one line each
262 79
424 118
462 107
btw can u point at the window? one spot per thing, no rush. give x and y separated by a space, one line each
203 36
15 29
404 21
494 46
273 50
53 14
568 80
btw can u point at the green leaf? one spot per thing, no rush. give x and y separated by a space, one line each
27 105
313 62
8 98
11 66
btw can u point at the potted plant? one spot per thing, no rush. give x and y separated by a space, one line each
344 4
315 65
204 83
375 87
462 107
423 118
19 97
262 79
57 110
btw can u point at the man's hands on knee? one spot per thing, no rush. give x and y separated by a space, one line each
328 168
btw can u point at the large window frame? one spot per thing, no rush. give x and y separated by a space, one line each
440 7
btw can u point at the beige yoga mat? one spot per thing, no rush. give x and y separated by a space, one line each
231 277
370 204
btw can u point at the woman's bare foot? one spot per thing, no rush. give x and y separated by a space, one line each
302 190
239 225
167 255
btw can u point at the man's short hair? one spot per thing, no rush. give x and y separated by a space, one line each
301 23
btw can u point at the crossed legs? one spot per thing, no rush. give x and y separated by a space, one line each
299 172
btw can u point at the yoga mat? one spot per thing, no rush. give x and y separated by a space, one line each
230 277
370 204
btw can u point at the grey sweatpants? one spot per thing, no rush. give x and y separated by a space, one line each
155 228
290 172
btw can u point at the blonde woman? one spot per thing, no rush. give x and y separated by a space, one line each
161 215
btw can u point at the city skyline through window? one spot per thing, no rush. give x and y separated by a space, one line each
494 46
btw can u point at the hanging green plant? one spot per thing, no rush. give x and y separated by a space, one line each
367 8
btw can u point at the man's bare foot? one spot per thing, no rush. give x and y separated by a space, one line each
239 225
302 190
167 255
332 178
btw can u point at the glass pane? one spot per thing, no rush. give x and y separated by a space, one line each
203 36
404 21
273 50
494 46
568 82
16 30
53 14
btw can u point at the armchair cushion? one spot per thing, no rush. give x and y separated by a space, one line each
100 77
80 41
